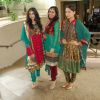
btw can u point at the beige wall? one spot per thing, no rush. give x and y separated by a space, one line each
10 33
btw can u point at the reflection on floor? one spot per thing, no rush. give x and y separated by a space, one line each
15 84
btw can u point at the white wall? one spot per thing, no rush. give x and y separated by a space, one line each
41 5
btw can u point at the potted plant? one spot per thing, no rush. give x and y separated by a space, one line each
13 16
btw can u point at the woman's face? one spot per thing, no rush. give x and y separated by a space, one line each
31 15
51 13
69 13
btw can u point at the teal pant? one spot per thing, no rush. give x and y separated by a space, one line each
34 75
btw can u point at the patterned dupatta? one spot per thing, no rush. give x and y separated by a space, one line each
71 52
72 27
69 30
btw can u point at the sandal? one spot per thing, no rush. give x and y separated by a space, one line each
70 86
65 85
34 86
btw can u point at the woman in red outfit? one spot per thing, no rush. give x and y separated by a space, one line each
32 37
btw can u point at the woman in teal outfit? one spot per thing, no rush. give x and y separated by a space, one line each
51 42
74 38
32 38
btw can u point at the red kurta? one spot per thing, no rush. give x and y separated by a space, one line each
36 46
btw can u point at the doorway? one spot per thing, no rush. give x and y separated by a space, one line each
77 4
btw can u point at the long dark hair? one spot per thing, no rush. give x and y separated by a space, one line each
37 19
56 16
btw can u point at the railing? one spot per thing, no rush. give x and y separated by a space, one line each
95 42
11 45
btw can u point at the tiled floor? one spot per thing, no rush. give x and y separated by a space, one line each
15 84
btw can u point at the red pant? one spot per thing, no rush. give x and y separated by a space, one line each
53 72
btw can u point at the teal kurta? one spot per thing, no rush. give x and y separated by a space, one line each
52 41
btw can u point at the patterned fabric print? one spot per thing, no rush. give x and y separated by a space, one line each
35 30
70 59
69 31
71 51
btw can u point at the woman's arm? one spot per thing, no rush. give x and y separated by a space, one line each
56 35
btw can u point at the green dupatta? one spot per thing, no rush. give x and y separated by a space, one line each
82 33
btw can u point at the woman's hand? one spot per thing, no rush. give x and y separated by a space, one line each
80 44
51 50
74 43
44 36
30 59
64 41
